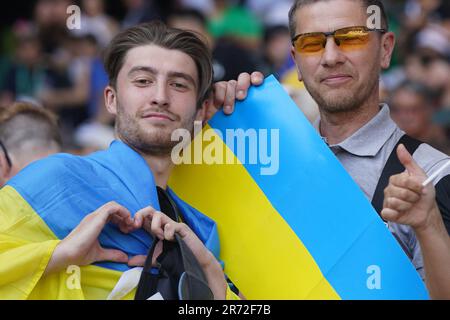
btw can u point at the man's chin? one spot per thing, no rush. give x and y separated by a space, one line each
339 104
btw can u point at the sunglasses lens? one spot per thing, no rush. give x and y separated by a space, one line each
310 43
351 38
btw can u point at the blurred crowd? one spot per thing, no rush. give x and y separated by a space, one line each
44 63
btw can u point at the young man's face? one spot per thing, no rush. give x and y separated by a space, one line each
156 93
340 79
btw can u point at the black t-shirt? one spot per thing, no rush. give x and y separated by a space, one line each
167 205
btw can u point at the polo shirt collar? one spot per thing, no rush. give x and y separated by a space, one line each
370 138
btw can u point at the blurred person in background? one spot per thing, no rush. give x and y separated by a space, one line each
25 76
206 7
139 11
412 110
95 131
276 51
229 59
96 22
50 17
66 90
231 20
27 133
271 12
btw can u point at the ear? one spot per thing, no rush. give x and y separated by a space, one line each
201 112
293 55
110 99
4 169
387 48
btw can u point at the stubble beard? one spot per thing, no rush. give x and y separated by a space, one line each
345 100
155 141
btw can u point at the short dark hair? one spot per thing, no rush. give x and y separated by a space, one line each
366 3
159 34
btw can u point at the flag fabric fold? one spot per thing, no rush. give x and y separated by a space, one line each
48 199
297 229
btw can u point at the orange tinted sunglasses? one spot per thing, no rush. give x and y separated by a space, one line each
345 38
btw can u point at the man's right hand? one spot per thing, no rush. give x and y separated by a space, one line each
406 201
81 246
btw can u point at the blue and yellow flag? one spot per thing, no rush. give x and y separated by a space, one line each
48 199
292 223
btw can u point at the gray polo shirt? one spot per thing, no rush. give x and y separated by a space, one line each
364 155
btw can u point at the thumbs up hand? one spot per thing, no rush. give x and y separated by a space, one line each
406 201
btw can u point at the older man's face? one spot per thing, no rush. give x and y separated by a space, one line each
340 79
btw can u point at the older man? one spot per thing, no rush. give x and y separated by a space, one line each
340 48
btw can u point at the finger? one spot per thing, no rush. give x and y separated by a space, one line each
169 231
408 162
112 255
114 211
143 214
404 180
230 97
137 261
220 89
156 226
402 193
243 84
171 228
121 217
397 204
390 214
94 222
125 224
257 78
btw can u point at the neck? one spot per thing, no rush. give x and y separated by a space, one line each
161 166
336 127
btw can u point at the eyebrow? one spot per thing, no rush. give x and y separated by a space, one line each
171 74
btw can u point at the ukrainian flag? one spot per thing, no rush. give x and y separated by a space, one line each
305 231
48 199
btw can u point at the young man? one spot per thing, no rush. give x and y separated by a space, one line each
54 215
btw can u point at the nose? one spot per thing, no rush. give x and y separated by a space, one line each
332 54
160 96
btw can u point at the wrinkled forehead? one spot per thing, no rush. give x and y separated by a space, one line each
327 16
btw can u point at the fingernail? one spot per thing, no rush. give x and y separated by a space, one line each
227 109
240 94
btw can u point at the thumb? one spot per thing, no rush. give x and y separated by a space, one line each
408 162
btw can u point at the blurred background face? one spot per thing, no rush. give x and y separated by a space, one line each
52 12
29 52
277 47
411 112
92 7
